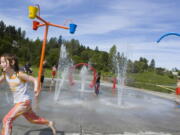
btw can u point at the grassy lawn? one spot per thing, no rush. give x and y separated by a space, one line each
47 72
151 80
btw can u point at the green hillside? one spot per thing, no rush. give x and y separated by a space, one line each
152 81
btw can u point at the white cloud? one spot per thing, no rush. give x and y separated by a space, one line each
102 24
164 53
145 14
51 4
17 21
129 15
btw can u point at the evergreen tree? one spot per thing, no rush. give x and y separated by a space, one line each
144 63
2 29
152 64
112 57
96 49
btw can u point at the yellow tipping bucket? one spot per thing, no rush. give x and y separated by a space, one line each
32 12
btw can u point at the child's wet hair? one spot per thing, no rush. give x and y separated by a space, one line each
13 61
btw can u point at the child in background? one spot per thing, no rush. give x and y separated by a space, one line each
27 68
53 72
43 73
17 82
178 91
97 85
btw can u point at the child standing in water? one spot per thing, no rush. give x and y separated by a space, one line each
17 82
97 85
43 73
53 72
178 91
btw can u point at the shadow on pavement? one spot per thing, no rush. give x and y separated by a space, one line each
44 131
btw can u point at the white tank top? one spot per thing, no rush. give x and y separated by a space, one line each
18 88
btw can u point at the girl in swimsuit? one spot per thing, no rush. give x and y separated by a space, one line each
17 82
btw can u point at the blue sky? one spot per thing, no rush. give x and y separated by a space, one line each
132 25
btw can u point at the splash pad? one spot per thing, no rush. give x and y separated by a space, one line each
142 113
79 112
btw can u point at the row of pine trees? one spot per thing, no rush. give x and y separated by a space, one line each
14 40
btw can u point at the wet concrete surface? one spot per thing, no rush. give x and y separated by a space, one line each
83 112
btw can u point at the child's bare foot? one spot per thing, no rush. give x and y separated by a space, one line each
51 125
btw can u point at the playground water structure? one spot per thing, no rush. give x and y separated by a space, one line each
65 78
121 66
34 13
62 71
166 35
83 74
65 71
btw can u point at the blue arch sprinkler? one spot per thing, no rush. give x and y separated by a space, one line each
167 34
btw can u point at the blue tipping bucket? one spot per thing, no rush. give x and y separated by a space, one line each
72 28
